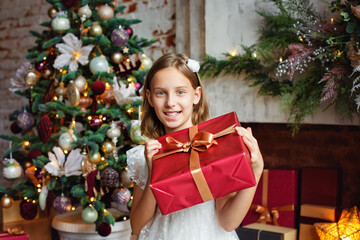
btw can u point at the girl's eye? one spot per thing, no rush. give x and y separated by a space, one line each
160 93
180 92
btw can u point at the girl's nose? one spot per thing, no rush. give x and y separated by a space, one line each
170 101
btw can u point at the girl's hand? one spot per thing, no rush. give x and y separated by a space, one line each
151 148
257 161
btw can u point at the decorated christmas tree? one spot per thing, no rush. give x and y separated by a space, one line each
83 83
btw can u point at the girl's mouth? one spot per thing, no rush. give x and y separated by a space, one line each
172 114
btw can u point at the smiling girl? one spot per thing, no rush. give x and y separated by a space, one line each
174 100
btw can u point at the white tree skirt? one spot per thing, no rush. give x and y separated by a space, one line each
70 226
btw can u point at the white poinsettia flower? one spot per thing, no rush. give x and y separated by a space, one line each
18 82
72 166
124 95
72 52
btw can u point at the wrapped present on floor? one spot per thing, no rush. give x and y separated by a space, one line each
259 231
15 234
36 229
314 186
201 163
276 199
311 214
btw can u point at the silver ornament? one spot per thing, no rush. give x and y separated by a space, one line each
85 11
80 83
105 12
60 24
113 131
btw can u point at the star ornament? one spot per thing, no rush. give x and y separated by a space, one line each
72 53
347 228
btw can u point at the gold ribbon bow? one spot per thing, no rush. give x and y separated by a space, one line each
199 142
269 215
12 231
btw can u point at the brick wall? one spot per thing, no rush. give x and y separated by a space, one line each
326 146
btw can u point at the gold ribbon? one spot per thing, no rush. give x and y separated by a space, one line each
199 142
269 215
12 231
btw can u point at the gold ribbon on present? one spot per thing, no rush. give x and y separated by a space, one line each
199 142
12 231
269 215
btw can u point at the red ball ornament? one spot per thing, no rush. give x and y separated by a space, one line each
95 122
98 87
33 153
28 210
14 127
70 3
104 229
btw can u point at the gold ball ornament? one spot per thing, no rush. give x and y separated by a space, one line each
95 158
81 83
73 94
107 147
105 12
6 201
95 30
52 11
31 78
125 179
46 74
116 57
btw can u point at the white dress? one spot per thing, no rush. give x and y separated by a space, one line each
198 222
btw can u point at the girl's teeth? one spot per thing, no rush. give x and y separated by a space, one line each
172 114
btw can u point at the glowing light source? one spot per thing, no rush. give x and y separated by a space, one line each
233 53
347 228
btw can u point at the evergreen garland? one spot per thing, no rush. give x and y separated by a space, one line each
301 58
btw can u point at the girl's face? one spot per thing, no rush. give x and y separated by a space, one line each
172 97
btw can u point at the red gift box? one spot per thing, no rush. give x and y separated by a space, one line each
315 186
186 173
275 199
8 236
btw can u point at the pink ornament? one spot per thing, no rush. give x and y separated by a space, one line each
25 120
119 36
121 196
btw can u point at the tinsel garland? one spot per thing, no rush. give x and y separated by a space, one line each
305 60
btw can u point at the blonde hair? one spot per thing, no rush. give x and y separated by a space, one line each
151 126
